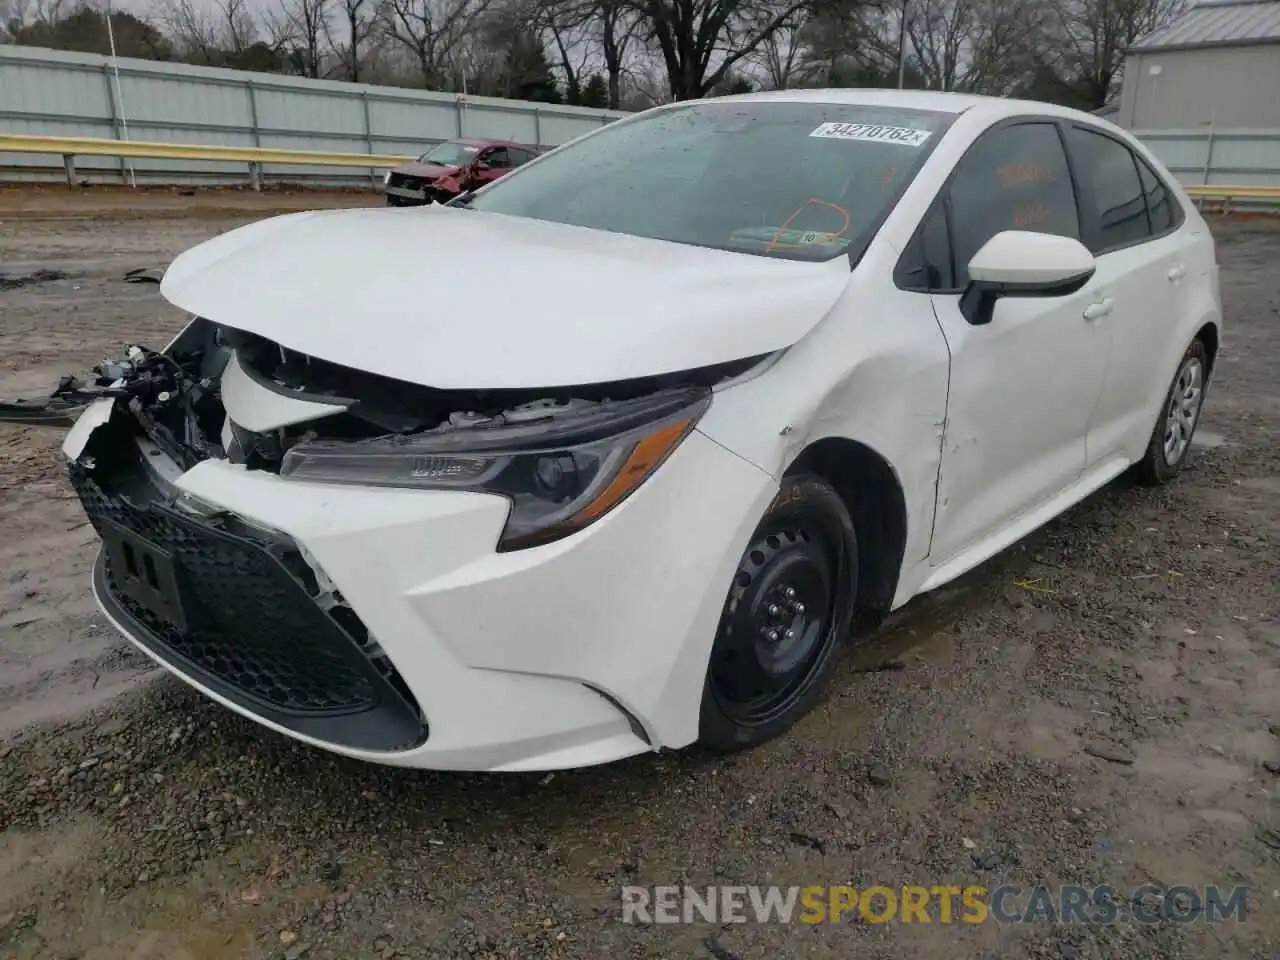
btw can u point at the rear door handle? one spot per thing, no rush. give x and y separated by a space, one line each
1177 273
1099 309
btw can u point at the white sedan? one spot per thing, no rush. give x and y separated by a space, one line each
605 458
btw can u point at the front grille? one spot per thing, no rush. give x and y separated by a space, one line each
245 620
406 181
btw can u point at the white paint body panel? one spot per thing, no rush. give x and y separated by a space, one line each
1019 256
1022 390
990 431
418 294
502 649
93 416
258 408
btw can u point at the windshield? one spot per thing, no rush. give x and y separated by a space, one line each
804 181
450 154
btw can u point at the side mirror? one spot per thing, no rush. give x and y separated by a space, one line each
1019 263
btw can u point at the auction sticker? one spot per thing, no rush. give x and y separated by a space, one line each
873 132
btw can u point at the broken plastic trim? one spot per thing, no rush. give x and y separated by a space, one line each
176 399
379 405
123 477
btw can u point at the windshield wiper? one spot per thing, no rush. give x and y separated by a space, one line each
462 199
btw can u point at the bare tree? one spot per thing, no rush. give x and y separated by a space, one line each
14 16
783 55
853 43
349 35
431 30
17 14
618 24
940 33
568 24
1004 41
209 34
1090 37
972 45
700 41
299 26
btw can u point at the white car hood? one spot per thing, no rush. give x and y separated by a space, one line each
457 299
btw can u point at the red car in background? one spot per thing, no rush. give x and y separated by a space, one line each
451 168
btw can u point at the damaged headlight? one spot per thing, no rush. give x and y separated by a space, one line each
561 472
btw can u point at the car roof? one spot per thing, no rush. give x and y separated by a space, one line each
478 142
955 103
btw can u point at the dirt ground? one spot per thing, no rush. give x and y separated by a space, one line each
140 822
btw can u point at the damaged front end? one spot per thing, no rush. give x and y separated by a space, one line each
244 609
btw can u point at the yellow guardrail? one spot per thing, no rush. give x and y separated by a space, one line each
1226 193
71 147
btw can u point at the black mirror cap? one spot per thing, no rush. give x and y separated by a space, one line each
978 302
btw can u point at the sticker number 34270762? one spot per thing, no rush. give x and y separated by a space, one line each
876 132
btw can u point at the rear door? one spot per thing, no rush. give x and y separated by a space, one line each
1132 224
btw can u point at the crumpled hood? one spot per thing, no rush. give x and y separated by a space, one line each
460 299
425 171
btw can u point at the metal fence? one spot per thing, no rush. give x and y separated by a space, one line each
1208 157
57 93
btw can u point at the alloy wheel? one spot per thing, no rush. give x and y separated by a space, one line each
1184 410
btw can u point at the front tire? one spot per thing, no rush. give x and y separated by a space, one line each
1169 448
787 615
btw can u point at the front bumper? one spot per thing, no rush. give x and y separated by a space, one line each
407 196
582 651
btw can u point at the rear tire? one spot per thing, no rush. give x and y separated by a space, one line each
1169 448
787 615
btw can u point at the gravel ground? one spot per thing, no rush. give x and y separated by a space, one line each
962 746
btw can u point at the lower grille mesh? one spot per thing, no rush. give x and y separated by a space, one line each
248 625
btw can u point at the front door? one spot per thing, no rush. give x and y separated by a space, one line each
1023 387
489 166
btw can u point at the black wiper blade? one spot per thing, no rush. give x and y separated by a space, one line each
462 199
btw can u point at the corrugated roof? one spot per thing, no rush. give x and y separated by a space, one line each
1218 23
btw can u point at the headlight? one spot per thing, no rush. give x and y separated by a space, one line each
561 471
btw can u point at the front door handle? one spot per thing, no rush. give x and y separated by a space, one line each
1177 273
1099 309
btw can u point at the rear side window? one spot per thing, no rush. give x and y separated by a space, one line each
1014 178
1109 187
1160 205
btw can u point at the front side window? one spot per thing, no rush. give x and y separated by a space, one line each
1014 178
1109 181
804 181
498 158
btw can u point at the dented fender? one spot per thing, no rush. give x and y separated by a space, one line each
877 378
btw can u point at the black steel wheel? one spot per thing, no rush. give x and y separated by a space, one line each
786 616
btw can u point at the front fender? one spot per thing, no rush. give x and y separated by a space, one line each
877 377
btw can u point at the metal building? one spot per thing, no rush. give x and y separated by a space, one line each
1216 65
